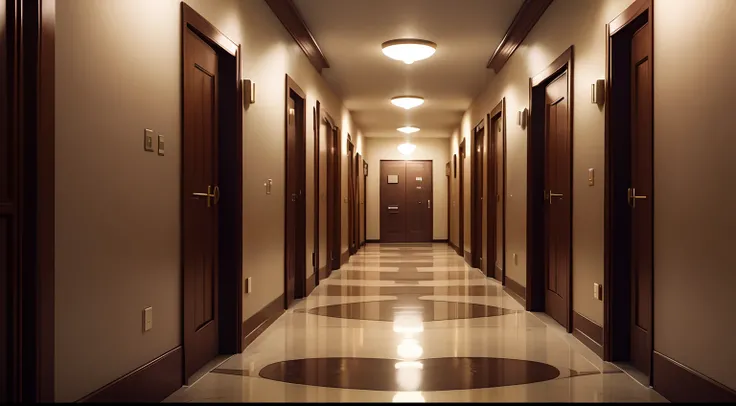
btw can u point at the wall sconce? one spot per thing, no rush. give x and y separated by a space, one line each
521 117
598 92
249 91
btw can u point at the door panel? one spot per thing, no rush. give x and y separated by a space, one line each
476 217
292 197
641 208
498 199
419 201
393 201
200 213
558 177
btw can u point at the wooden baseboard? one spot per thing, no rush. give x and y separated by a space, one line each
311 283
372 241
515 290
679 383
324 273
345 257
468 258
455 247
259 322
149 383
588 333
440 240
498 271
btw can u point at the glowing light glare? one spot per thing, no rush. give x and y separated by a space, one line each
408 397
409 50
408 324
407 102
409 349
407 148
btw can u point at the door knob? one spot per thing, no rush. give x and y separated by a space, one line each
632 196
293 197
210 195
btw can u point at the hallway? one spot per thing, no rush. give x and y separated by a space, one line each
414 323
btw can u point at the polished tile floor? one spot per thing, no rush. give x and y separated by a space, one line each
413 323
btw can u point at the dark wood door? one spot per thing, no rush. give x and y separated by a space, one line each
476 217
495 199
393 201
640 199
351 198
558 210
418 201
356 202
9 178
200 198
292 200
461 200
334 200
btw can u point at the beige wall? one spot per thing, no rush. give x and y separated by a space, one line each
694 147
434 149
566 22
117 214
694 222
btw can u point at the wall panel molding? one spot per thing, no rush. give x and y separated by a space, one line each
529 13
292 20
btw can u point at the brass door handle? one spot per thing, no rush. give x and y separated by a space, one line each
549 195
210 195
632 196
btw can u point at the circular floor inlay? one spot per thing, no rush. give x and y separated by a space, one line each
429 310
432 374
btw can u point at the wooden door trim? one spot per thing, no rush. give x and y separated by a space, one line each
535 262
230 272
476 247
333 182
357 164
30 106
613 315
316 123
499 113
301 133
351 192
448 175
461 199
526 18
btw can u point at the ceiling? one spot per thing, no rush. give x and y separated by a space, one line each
350 34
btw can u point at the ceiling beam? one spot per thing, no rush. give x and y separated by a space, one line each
289 16
527 16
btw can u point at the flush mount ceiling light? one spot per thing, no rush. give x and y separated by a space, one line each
407 148
407 102
409 50
408 129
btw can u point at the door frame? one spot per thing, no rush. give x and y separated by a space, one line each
300 249
476 208
334 190
351 194
357 164
315 176
230 225
535 276
448 175
499 113
28 109
616 283
461 201
364 233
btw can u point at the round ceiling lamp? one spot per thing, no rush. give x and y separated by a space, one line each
409 50
408 129
407 102
407 148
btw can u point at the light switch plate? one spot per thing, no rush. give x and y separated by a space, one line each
597 291
516 259
161 144
148 140
147 318
248 284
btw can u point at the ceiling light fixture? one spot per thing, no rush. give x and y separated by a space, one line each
407 102
408 129
409 50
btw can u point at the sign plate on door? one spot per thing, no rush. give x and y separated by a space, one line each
393 179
